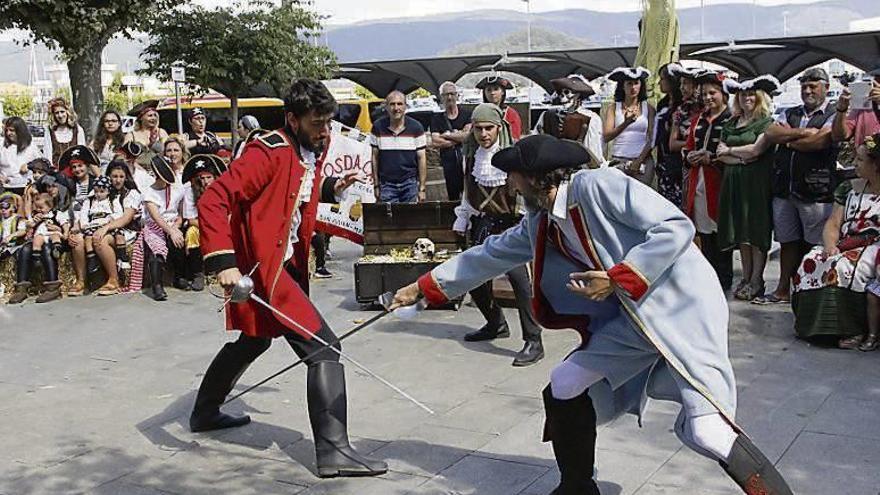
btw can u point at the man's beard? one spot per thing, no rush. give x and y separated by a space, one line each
534 198
306 142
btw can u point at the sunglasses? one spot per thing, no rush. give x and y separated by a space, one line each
5 206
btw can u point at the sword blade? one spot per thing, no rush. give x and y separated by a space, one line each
309 356
341 354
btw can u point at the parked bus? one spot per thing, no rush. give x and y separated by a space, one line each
268 111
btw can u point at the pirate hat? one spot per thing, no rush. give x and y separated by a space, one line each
541 153
711 76
143 107
101 181
219 164
622 74
162 170
496 80
198 164
79 152
131 148
196 112
41 164
766 83
575 83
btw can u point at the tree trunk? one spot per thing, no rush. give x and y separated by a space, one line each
233 101
85 84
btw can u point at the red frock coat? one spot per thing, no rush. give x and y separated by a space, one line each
245 217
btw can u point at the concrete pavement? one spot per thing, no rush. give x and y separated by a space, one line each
98 390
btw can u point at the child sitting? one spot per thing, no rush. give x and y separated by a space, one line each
47 224
97 210
12 227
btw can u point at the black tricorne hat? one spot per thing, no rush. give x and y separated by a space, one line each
131 148
39 164
711 76
765 83
621 74
497 80
79 152
162 169
197 164
220 164
541 153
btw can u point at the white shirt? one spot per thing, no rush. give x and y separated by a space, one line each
190 211
95 213
11 162
62 135
61 218
570 238
486 174
305 195
142 179
6 229
166 200
631 142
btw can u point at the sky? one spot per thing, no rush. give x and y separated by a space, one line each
348 11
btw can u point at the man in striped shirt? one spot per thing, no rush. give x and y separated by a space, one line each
399 164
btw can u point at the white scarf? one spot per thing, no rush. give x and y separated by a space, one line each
484 172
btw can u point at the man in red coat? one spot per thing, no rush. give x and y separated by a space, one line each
261 213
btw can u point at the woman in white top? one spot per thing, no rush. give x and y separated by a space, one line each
631 125
18 150
63 131
108 137
163 239
176 153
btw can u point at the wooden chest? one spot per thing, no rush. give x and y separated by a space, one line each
396 227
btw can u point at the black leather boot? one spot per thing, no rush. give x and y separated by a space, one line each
156 266
531 353
51 285
571 427
489 331
224 371
752 471
329 417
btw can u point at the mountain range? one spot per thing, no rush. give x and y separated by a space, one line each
486 30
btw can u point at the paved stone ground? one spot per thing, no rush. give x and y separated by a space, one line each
97 392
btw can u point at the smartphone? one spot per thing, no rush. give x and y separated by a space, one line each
859 91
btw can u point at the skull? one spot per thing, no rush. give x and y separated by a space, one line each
423 249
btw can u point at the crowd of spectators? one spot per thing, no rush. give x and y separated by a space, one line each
119 208
125 202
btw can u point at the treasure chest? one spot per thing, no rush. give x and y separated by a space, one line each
391 259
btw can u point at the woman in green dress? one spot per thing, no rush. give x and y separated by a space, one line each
745 215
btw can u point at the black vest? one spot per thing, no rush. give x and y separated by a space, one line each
806 176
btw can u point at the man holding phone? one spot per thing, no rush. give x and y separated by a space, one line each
858 123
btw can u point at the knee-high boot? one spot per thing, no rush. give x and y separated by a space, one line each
220 377
571 427
156 266
328 413
22 274
752 471
51 284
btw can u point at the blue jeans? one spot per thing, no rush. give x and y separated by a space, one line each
401 192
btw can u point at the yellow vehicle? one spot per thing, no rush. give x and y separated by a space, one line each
268 111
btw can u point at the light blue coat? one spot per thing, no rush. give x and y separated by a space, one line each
683 311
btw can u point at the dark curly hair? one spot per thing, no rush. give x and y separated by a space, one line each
22 133
101 135
620 91
306 95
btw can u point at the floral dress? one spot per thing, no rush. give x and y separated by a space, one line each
829 291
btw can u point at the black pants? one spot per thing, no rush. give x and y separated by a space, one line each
24 261
319 245
177 257
481 228
721 261
250 348
193 263
453 176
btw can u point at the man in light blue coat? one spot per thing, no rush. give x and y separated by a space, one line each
616 262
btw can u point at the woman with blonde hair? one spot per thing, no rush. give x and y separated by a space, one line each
146 129
62 132
745 218
175 151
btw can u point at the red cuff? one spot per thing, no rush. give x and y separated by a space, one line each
431 290
629 279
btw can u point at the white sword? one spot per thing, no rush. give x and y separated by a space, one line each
244 289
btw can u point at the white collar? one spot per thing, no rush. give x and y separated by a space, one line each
484 172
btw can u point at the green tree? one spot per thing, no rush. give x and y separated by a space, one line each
115 96
18 104
81 30
246 49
